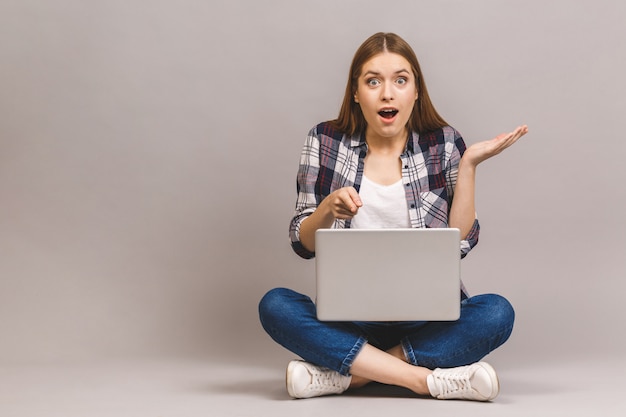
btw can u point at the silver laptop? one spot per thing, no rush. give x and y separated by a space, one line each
387 274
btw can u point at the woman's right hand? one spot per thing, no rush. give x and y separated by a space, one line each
343 203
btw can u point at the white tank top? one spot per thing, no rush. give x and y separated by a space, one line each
384 206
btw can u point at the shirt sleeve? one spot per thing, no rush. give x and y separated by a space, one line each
307 200
456 149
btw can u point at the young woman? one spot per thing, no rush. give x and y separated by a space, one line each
389 160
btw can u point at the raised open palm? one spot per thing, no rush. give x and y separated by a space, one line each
484 150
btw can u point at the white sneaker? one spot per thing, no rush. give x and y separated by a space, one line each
477 382
305 380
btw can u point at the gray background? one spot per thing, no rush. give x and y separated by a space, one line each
148 153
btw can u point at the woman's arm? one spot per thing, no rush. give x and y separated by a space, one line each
340 204
463 211
315 209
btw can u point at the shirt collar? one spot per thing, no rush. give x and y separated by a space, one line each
357 140
413 143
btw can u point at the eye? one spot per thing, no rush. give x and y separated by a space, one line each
372 82
402 81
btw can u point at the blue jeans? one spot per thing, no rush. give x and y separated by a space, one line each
290 319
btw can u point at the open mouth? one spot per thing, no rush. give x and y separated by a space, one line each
388 113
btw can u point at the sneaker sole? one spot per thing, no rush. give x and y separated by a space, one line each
290 389
495 390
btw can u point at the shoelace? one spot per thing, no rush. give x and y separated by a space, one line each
453 383
326 380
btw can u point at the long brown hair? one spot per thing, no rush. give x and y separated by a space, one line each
424 117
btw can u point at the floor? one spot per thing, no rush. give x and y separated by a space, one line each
197 387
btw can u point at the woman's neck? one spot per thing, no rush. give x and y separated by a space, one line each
386 145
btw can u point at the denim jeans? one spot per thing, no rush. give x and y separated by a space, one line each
290 319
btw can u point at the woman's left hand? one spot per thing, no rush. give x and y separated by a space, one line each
482 151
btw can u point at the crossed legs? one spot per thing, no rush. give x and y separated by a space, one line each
486 322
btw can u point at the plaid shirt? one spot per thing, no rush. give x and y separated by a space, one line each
331 160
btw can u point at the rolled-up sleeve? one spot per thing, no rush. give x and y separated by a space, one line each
307 200
471 240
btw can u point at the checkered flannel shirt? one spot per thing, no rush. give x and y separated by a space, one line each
331 160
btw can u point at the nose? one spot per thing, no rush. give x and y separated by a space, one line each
387 92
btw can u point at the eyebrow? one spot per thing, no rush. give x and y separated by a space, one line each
378 73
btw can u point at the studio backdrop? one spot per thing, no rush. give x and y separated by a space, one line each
148 153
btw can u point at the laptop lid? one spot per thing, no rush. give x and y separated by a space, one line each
387 274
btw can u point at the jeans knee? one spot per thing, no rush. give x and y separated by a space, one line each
279 305
501 314
271 302
499 311
506 310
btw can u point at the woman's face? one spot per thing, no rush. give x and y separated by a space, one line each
386 92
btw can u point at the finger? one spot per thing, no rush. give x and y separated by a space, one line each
344 213
510 141
354 195
501 143
347 205
521 130
513 136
